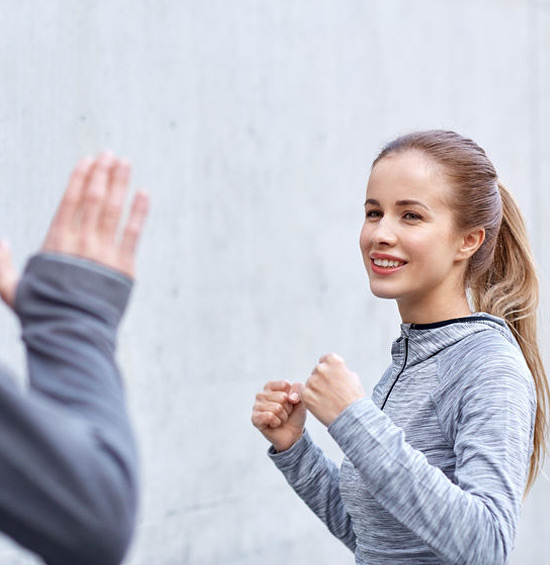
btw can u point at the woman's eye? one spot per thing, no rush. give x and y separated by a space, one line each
373 214
412 216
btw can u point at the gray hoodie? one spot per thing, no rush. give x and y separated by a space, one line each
436 462
68 461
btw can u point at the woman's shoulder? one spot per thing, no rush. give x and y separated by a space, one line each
490 356
485 349
482 373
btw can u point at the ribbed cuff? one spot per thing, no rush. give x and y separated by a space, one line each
68 281
286 460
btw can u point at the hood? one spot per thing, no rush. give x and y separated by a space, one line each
426 340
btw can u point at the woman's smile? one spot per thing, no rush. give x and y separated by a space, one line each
383 264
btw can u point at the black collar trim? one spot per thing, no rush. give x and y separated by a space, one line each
448 322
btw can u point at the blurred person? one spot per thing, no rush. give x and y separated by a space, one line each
68 463
438 460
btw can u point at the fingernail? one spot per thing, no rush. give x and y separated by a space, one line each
294 396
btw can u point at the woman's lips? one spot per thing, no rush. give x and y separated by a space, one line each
386 265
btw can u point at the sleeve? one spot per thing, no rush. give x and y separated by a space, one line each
68 462
470 521
315 479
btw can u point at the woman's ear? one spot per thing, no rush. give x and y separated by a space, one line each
471 242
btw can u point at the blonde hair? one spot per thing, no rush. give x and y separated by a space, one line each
501 276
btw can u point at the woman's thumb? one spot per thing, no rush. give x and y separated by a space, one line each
295 393
9 279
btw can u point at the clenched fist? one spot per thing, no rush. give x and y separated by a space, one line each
331 388
280 414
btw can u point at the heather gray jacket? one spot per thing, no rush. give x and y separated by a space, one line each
436 462
68 466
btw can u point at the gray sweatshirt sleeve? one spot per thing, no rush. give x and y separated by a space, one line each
315 478
474 520
68 463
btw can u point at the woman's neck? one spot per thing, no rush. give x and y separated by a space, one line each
423 312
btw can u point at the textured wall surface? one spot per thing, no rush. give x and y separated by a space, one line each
253 124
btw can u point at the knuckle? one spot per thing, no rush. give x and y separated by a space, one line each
274 422
281 397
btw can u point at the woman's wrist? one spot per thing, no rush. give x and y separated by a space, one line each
279 447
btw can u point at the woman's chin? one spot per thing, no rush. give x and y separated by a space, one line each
381 292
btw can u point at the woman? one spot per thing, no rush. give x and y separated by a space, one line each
437 461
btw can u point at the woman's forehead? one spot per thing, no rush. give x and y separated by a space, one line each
409 175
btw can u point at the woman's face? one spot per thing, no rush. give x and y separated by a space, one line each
409 243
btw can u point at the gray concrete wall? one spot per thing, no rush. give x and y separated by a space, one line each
253 124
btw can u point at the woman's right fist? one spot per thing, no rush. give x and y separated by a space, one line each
280 414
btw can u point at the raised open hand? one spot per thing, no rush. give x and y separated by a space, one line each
87 221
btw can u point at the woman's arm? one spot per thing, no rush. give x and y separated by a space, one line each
474 520
280 416
315 479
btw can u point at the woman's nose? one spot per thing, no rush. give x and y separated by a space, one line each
384 233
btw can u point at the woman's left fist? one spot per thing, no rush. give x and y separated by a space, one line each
331 388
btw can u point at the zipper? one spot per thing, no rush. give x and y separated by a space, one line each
398 374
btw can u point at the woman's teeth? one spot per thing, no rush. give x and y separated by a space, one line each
387 263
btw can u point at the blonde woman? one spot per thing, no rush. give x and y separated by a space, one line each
438 459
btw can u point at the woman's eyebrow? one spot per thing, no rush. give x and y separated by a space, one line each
372 201
411 203
398 203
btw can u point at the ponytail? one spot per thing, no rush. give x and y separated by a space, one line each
509 289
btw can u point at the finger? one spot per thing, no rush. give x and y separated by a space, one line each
264 420
259 420
134 226
9 278
331 358
272 396
274 422
278 405
296 392
68 207
95 191
280 410
283 386
320 368
114 201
